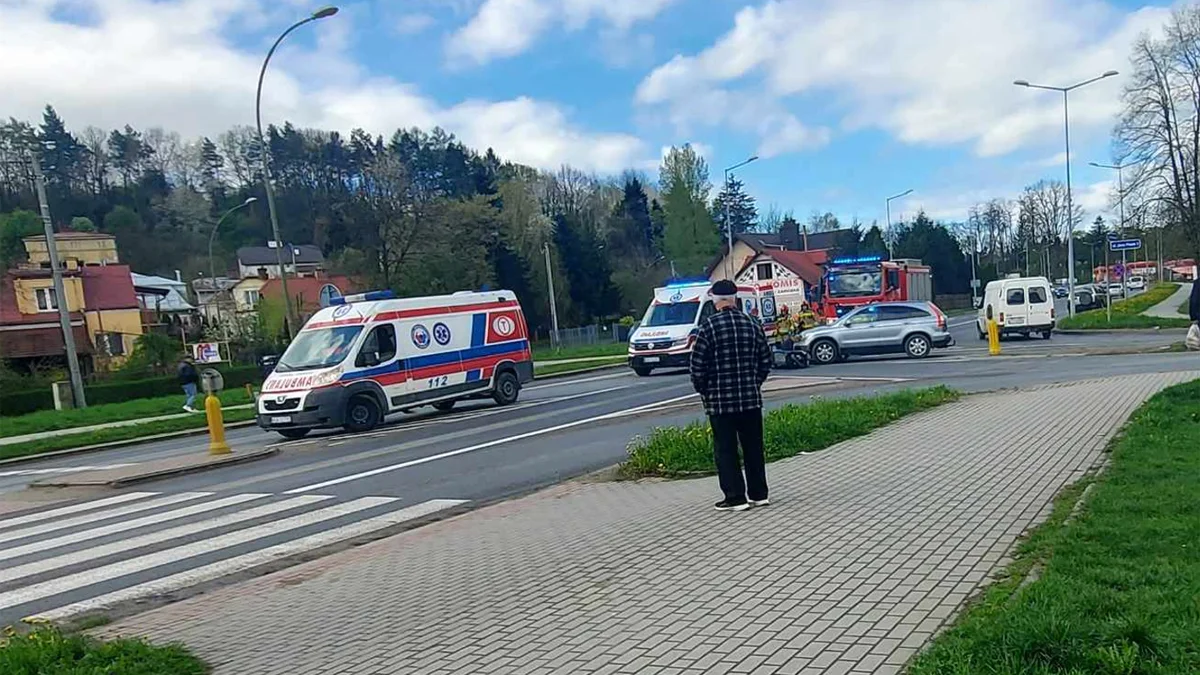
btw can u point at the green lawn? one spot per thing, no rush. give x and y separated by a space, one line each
47 651
52 420
543 352
560 368
1128 313
1118 591
676 452
80 440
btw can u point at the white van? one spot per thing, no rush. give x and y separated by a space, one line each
1020 305
367 356
667 332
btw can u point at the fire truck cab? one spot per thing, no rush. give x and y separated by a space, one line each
853 282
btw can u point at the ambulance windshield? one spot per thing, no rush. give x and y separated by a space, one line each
674 314
318 349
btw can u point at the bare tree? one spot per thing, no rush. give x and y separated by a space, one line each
1158 135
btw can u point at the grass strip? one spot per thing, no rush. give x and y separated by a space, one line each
67 441
560 368
678 452
55 420
47 650
1118 589
1127 314
548 353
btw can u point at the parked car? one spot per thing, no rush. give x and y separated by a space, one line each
912 328
1137 283
1061 292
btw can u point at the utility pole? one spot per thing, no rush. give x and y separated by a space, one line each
60 293
553 304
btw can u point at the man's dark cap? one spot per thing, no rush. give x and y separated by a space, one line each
724 287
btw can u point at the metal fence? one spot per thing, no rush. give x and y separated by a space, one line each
596 334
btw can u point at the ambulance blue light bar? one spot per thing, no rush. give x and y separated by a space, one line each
362 297
857 259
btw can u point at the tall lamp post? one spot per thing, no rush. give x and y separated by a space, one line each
1070 208
1121 206
887 207
264 155
212 268
728 225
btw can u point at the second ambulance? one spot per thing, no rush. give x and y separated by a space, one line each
667 333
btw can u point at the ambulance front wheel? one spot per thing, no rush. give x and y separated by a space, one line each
642 372
507 388
362 414
293 434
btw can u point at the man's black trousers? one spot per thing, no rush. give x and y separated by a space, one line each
746 427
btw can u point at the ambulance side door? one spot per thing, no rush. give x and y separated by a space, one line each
380 356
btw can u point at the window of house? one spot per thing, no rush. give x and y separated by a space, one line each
765 271
47 301
112 344
251 297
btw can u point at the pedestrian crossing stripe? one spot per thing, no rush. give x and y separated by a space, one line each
91 555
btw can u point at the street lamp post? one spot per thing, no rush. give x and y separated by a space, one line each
264 156
887 206
729 270
212 268
1070 208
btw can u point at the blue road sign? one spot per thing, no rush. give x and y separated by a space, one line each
1112 236
1125 244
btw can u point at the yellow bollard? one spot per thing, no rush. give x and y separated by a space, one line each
216 426
993 332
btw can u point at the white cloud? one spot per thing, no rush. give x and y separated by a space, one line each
411 24
505 28
929 72
158 63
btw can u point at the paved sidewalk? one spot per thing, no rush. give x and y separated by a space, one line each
1169 308
870 547
10 440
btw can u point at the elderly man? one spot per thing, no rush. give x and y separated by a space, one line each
730 362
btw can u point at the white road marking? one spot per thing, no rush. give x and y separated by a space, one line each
250 560
123 545
101 515
65 469
482 446
127 525
71 582
74 508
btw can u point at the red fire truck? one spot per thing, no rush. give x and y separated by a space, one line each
852 282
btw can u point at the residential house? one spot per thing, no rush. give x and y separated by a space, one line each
214 297
102 305
263 261
791 262
163 302
86 248
308 293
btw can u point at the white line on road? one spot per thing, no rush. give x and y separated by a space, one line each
127 525
482 446
249 560
74 508
123 545
579 381
64 469
179 553
102 515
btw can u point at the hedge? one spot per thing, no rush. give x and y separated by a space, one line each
32 400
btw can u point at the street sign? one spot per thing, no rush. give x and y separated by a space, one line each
1125 244
975 283
1112 236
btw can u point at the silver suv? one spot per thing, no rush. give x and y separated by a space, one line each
912 328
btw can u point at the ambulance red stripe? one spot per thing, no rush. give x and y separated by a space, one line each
442 311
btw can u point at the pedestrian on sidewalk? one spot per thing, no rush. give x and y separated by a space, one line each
1193 335
188 379
730 362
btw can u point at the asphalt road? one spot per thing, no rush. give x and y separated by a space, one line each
336 488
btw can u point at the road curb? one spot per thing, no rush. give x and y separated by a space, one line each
217 462
119 444
1118 331
582 371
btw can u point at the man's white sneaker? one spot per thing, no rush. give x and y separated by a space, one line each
725 505
760 502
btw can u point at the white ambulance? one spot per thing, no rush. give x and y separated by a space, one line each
370 355
667 332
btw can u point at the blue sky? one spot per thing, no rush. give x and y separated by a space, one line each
846 101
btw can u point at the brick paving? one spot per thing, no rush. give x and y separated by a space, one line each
869 548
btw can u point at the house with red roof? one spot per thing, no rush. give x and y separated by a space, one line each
105 318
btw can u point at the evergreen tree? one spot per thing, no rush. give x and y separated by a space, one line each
589 276
690 236
936 246
742 211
